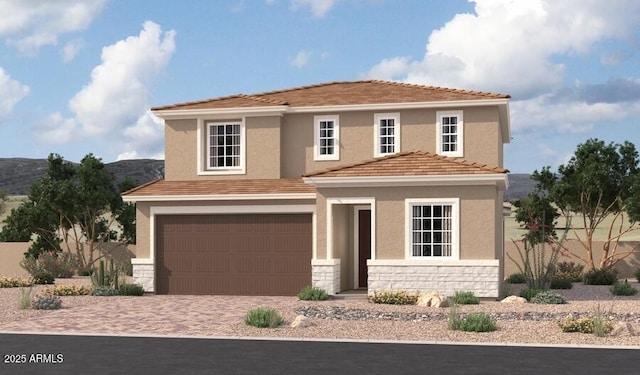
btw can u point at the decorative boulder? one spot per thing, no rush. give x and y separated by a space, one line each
514 299
623 329
301 321
433 299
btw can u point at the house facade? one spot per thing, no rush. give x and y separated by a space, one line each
346 185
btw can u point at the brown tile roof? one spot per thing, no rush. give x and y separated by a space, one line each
412 163
220 187
339 93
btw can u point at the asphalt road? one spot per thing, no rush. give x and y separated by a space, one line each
65 354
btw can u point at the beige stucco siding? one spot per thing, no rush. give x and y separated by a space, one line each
262 158
482 138
180 151
478 236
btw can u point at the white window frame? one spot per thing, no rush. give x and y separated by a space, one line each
455 227
377 137
460 133
336 137
204 167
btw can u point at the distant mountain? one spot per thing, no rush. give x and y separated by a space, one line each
18 174
520 184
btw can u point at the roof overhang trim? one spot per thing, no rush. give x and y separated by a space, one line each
217 197
500 180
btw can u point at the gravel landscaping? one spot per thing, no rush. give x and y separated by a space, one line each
333 319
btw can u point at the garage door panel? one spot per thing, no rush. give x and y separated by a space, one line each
264 254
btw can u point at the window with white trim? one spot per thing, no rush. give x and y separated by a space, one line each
387 134
225 147
432 229
327 138
449 139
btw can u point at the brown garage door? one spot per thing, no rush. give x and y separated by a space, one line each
262 254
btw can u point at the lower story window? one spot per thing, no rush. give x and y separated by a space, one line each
432 229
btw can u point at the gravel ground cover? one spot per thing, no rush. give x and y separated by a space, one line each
333 319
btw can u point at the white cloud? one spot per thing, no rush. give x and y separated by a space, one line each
509 46
11 92
319 8
55 129
31 24
302 59
71 49
144 139
113 105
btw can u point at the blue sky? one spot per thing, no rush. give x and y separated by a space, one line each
78 76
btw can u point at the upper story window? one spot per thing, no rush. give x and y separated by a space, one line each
387 134
225 147
449 137
432 228
327 138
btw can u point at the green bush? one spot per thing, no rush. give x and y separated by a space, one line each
15 282
47 302
394 298
263 317
600 277
623 289
131 290
104 291
561 283
478 322
465 298
569 270
517 278
59 265
69 290
312 293
548 298
42 278
638 275
529 293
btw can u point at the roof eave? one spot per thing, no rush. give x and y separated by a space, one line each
169 114
500 180
218 197
399 106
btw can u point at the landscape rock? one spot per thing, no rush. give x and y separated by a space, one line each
514 299
301 321
433 299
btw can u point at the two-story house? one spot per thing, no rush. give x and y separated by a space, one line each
345 185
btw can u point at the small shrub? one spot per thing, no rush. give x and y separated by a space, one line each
43 278
104 291
15 282
394 298
86 271
638 275
454 320
623 289
47 302
465 298
478 322
569 270
517 278
312 293
25 298
560 283
548 298
529 293
586 325
131 290
59 265
263 317
600 277
69 290
601 324
505 289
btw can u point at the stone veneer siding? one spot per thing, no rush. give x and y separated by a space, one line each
325 274
144 273
480 277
